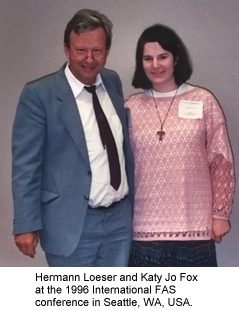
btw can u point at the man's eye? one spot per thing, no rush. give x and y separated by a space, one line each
97 51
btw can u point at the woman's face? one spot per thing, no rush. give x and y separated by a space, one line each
158 66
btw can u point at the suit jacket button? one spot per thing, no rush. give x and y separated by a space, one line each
86 197
89 173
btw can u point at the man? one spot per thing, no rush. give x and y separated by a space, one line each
62 180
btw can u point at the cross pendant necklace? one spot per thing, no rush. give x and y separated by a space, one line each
161 133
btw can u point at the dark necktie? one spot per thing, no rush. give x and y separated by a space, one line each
107 139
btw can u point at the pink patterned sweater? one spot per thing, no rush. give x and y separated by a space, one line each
185 180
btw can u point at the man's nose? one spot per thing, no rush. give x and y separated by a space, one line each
89 55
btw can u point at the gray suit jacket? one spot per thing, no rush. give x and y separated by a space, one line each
51 174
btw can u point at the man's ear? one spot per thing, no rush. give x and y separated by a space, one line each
107 52
66 51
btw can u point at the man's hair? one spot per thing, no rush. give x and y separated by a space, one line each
86 20
169 41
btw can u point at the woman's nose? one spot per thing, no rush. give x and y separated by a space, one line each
155 63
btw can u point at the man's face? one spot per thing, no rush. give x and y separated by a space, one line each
87 54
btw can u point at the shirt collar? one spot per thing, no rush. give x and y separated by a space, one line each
78 86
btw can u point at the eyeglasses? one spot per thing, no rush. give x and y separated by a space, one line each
94 53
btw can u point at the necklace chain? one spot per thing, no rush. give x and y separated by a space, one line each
161 133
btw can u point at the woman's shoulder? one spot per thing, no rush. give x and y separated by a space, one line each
201 94
199 90
136 97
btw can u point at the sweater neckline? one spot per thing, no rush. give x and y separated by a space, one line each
182 89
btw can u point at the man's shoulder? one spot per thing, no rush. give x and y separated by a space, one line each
109 74
111 80
42 79
46 79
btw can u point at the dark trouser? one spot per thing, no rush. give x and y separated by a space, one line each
173 254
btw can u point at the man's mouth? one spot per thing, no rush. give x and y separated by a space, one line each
88 68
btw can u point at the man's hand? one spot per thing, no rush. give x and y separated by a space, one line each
219 229
26 243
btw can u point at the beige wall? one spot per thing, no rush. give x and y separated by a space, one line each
31 46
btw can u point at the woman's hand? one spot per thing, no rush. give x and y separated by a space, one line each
219 229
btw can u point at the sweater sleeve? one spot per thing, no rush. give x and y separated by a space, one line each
220 160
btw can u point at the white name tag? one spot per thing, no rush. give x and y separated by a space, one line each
190 109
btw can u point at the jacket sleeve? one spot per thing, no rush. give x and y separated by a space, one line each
28 141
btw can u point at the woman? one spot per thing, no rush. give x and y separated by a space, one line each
184 166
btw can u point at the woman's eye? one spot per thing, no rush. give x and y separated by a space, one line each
163 56
147 58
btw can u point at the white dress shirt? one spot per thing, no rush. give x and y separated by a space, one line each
102 193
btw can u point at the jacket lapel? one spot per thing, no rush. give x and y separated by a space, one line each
116 99
69 111
70 115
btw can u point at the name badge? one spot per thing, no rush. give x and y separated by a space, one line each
190 109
